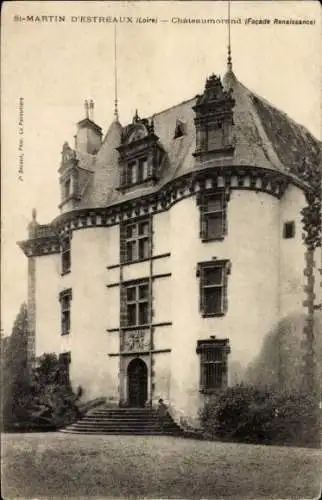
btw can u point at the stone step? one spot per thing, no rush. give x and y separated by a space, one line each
135 414
123 433
122 425
128 418
142 421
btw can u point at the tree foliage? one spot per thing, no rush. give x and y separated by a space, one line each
14 368
251 415
38 397
311 219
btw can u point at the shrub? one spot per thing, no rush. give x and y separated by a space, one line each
47 401
251 415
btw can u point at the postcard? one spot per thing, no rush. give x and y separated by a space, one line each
161 249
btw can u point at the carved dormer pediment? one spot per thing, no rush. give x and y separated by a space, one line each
214 93
140 153
68 157
214 120
141 130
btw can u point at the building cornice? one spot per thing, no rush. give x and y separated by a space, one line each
249 178
45 245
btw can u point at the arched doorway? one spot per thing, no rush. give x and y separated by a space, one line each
137 375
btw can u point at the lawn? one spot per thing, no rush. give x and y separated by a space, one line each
66 465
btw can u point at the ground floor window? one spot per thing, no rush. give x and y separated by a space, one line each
213 363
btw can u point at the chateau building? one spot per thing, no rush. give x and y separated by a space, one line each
177 248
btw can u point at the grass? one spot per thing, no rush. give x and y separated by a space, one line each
54 465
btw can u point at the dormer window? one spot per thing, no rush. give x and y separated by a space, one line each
137 171
214 121
140 154
179 130
67 188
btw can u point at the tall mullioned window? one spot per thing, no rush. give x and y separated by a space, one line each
65 255
137 304
136 241
213 287
65 298
212 216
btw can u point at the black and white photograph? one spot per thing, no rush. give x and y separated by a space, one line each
161 333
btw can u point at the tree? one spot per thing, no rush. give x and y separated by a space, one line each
311 173
15 375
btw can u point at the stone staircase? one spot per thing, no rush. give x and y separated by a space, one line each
139 421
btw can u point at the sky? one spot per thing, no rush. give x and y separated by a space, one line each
54 66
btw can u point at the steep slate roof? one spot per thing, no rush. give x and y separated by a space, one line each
263 137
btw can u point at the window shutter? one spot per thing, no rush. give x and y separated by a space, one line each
201 290
226 271
224 213
203 219
202 371
123 168
122 243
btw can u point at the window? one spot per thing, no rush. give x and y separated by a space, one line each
67 188
143 171
137 241
64 362
215 136
131 177
179 130
137 304
213 363
137 171
65 255
289 230
65 298
213 287
213 216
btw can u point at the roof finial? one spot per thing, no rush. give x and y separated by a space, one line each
86 106
116 113
34 214
136 117
91 110
229 59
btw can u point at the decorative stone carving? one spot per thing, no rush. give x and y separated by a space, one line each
136 340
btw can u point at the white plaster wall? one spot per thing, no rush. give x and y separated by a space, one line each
161 233
90 343
162 337
48 336
162 300
292 254
161 367
252 246
113 307
113 249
